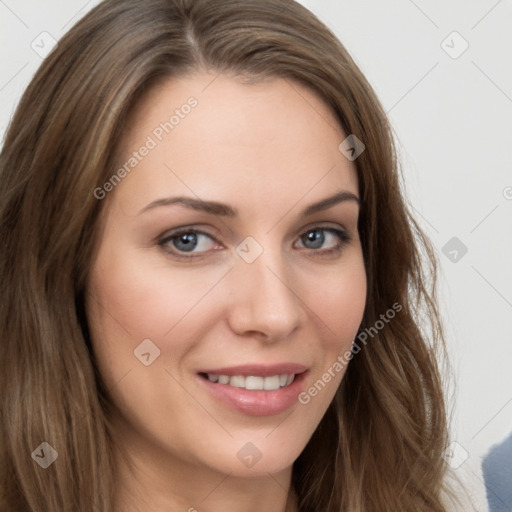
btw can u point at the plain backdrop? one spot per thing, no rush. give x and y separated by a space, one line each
443 71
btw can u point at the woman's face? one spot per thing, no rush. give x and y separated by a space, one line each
229 278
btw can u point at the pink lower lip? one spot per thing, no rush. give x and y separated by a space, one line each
257 402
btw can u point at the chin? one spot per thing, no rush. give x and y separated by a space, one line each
258 455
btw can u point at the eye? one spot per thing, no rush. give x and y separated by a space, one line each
326 239
189 241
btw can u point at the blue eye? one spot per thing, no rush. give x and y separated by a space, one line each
313 239
189 241
317 238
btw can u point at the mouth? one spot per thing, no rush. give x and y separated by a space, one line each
256 390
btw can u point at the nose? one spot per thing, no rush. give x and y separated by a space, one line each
263 302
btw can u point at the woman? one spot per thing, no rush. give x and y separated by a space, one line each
212 287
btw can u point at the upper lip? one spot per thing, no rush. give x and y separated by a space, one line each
259 370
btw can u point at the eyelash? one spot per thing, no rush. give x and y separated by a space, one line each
343 237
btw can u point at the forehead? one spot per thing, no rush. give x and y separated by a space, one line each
212 135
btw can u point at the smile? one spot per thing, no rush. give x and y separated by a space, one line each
254 389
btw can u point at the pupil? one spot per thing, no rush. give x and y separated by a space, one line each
314 239
186 242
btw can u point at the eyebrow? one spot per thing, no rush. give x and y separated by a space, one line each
224 210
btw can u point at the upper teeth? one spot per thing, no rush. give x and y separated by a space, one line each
253 382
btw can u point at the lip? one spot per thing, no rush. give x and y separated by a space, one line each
256 402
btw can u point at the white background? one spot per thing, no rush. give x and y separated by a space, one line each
453 121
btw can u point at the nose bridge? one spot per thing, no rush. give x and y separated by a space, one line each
263 299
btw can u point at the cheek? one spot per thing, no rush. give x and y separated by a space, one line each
339 301
134 297
147 297
337 305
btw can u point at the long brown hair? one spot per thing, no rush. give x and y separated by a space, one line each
380 445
